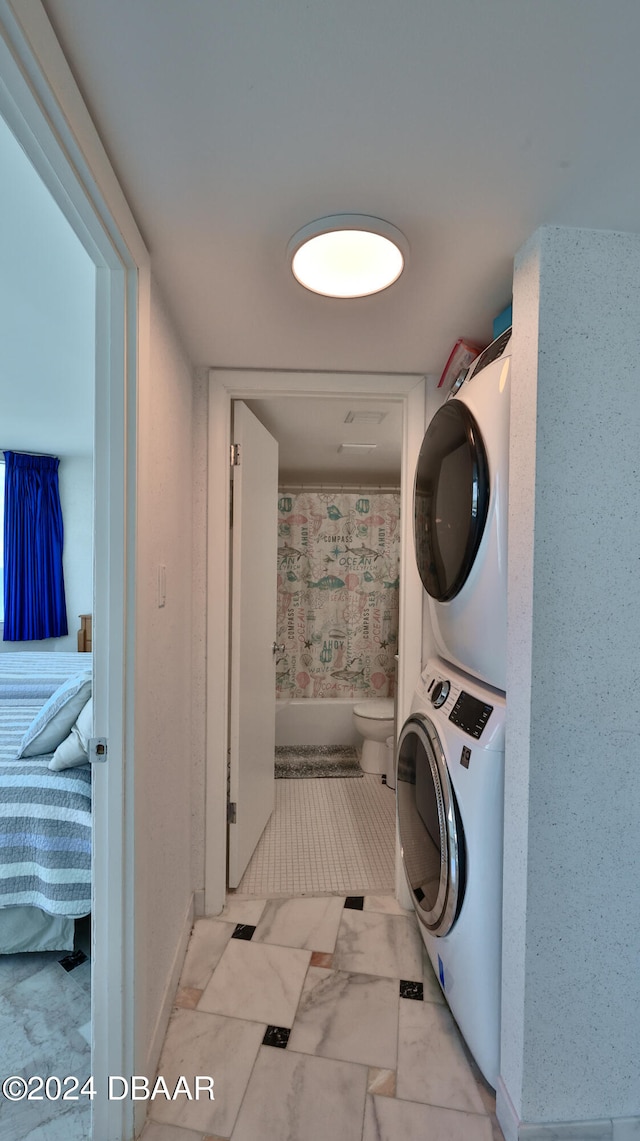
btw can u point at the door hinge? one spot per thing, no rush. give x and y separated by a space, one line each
98 749
235 455
231 812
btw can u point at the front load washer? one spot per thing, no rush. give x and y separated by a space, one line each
460 517
450 792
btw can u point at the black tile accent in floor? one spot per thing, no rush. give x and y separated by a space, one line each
243 931
72 960
411 990
354 902
276 1036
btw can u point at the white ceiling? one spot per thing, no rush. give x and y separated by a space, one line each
309 431
467 125
233 123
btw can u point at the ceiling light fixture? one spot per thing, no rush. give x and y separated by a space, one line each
348 255
364 417
357 449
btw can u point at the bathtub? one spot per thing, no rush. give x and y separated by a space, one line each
316 721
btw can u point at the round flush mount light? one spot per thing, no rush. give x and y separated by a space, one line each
348 255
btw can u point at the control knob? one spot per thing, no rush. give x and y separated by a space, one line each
440 693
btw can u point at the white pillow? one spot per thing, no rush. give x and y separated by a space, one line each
52 724
84 725
69 753
74 750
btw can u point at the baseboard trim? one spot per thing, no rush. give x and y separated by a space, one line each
567 1131
164 1013
505 1112
606 1129
162 1021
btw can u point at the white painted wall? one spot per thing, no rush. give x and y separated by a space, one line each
47 317
76 496
163 680
47 361
199 632
571 985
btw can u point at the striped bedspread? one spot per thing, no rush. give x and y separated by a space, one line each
23 674
45 817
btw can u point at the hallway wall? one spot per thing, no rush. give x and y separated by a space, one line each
163 677
571 988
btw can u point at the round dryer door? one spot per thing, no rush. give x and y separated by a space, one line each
431 833
451 500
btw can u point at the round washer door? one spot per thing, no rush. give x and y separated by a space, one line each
451 500
431 834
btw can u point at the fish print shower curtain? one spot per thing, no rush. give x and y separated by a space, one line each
338 579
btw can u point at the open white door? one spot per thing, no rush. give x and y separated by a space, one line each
252 727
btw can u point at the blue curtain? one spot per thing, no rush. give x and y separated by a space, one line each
34 601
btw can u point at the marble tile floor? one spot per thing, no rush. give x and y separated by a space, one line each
45 1029
325 836
319 1019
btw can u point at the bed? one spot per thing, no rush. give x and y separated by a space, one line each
45 816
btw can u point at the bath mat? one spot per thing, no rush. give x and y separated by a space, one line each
316 761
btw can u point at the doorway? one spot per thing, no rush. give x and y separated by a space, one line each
225 387
338 549
46 135
47 383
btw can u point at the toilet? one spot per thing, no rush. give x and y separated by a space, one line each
374 722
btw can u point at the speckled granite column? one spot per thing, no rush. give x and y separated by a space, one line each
571 977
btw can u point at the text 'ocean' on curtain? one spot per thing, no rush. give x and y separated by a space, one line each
34 599
338 580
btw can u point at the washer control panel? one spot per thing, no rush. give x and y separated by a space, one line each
457 704
470 714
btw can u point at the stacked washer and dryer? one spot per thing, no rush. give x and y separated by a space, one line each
450 753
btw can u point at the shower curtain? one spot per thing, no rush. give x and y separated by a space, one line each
338 579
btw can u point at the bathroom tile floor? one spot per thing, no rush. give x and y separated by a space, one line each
319 1019
325 836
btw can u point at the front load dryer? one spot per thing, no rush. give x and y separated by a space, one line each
460 518
450 792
